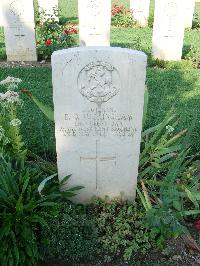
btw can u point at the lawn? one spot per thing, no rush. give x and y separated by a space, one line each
172 86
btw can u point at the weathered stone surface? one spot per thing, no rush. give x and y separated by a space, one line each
19 30
1 15
48 6
98 105
140 10
168 29
94 22
189 12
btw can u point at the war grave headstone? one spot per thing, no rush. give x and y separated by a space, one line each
140 10
1 15
19 30
189 12
168 30
98 97
94 22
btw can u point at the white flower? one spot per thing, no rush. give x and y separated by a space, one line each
10 96
169 128
10 80
15 122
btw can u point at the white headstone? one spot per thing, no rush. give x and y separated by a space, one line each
1 15
98 107
189 12
48 6
94 22
19 30
168 29
140 10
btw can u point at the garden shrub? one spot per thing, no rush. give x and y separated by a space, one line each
170 198
23 213
121 230
121 17
52 35
27 196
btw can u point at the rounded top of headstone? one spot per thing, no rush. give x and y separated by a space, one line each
89 49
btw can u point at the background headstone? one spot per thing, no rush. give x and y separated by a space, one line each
140 10
168 29
48 6
1 15
19 30
189 12
98 97
94 22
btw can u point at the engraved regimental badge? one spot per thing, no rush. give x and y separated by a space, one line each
99 82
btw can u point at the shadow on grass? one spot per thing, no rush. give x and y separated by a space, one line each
135 45
65 20
186 50
175 90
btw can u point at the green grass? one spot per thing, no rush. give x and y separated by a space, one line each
175 87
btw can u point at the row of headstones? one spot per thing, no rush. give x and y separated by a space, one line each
19 27
170 19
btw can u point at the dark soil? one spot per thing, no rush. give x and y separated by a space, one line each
5 64
176 253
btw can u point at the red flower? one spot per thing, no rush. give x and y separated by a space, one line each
73 30
48 42
66 31
197 225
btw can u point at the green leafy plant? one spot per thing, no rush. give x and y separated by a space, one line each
122 230
168 200
52 35
159 145
167 191
11 142
121 17
27 199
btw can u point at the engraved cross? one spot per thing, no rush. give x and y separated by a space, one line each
98 159
19 34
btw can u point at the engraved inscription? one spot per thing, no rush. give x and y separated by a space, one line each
98 82
94 7
97 122
171 8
